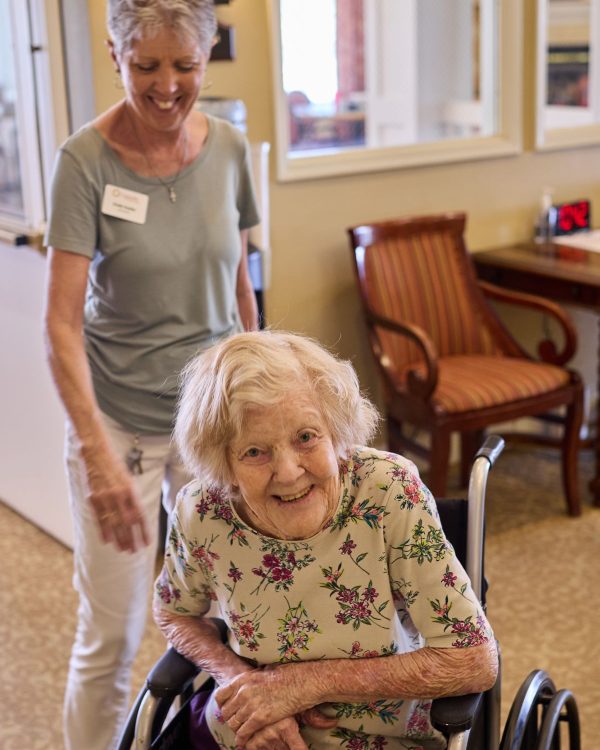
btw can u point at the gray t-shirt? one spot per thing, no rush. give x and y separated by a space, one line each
157 292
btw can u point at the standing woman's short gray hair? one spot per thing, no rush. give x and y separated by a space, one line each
260 369
128 20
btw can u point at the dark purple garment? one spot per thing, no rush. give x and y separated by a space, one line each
200 736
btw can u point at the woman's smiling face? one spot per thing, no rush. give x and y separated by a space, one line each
285 467
162 75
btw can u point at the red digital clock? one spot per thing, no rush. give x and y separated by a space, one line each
572 217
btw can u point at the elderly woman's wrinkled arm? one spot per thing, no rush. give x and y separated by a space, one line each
263 697
199 640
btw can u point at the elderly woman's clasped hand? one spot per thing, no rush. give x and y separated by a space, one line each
285 733
260 706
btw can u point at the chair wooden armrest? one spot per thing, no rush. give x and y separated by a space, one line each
418 384
546 349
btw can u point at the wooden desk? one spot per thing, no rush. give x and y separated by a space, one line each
560 273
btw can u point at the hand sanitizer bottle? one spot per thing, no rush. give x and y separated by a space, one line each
546 220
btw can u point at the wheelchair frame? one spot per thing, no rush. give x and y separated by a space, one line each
527 728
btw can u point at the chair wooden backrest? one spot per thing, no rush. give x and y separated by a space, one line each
419 272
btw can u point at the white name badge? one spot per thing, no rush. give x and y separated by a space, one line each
125 204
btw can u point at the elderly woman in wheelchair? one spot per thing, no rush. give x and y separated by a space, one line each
347 611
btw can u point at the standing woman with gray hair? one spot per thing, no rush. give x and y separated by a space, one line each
150 207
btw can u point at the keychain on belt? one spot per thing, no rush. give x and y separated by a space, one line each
134 458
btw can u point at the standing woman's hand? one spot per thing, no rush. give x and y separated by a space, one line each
115 501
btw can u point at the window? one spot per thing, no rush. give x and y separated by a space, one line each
375 84
11 189
33 112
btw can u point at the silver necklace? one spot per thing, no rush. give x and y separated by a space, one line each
169 186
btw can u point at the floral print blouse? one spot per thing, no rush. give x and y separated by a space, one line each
378 579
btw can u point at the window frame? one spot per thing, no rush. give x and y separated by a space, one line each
507 142
575 136
41 111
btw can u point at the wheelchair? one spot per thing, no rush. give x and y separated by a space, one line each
470 722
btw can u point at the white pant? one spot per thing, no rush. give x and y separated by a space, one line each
114 589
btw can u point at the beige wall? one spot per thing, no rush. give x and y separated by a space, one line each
312 287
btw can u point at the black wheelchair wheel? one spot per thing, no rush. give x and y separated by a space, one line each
562 708
526 713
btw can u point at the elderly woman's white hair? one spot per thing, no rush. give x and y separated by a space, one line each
261 369
128 20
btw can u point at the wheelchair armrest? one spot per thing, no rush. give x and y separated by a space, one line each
456 713
170 674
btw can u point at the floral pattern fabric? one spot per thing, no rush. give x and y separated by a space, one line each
379 579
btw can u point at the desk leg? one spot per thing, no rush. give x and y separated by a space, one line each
595 482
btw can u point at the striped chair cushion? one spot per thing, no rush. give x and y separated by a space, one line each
420 279
475 382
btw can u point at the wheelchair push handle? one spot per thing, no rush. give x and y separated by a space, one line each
491 449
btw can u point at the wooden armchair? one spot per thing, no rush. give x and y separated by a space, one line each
447 362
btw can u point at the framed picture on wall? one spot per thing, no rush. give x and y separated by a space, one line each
568 73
